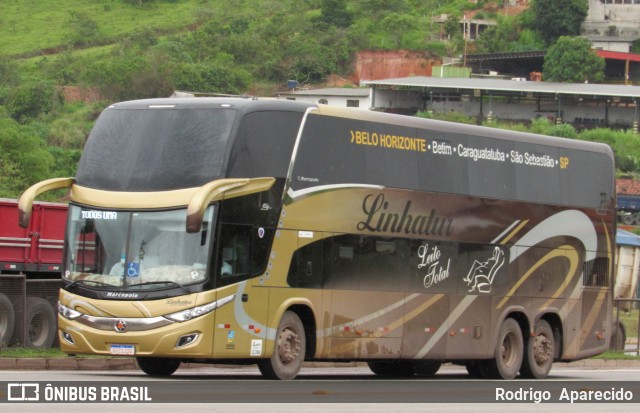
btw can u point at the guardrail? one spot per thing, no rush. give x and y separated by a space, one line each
626 337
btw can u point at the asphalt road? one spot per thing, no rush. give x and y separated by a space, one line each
344 389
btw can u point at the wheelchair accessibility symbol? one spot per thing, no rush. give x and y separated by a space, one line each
133 269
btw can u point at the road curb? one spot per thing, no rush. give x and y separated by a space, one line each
68 363
124 363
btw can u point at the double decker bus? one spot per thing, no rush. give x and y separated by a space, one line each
272 232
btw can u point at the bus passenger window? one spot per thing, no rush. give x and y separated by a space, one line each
306 266
342 263
383 263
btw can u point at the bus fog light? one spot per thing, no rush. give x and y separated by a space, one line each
67 337
187 339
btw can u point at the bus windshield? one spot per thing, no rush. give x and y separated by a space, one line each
135 250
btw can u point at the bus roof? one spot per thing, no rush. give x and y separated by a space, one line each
239 103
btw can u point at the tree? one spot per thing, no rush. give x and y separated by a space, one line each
398 25
555 18
571 59
24 159
32 99
217 75
307 60
377 9
508 36
335 13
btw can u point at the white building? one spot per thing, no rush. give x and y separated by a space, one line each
612 24
341 97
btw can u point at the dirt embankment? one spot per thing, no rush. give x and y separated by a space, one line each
389 64
369 65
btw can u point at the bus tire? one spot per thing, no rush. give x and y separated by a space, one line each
158 366
392 368
289 350
427 368
7 320
508 353
41 323
540 349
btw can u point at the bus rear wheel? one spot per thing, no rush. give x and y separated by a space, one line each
508 353
539 354
158 366
289 351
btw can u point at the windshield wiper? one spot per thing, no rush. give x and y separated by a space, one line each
172 283
98 283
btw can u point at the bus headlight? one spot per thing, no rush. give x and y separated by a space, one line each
195 312
67 312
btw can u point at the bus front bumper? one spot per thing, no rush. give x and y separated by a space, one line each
190 339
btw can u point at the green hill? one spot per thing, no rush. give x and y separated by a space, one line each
33 27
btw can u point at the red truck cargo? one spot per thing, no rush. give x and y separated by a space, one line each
30 265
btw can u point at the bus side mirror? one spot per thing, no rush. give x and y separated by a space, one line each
218 190
25 203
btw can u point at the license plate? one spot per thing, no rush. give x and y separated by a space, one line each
123 349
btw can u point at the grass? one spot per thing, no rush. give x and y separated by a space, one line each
28 26
629 320
616 355
21 352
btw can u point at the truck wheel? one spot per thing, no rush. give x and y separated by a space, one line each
41 323
158 366
538 357
7 320
289 351
618 338
508 354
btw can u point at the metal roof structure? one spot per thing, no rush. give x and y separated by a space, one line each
627 238
509 86
335 91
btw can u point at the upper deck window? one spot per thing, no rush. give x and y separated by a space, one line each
156 149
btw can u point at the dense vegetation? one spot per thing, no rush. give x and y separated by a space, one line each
126 49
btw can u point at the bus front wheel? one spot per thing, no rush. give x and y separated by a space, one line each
289 351
540 350
158 366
